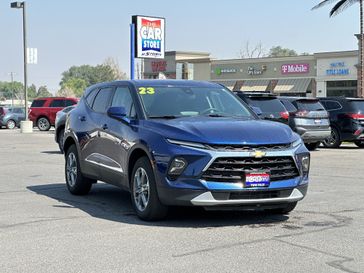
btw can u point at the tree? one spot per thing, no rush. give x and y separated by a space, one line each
113 63
8 89
278 51
340 6
248 52
76 85
65 92
32 91
43 92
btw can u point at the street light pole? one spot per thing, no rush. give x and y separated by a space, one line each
26 125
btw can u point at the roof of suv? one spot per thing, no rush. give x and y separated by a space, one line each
341 98
256 94
299 98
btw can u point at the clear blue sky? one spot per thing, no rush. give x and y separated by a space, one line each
76 32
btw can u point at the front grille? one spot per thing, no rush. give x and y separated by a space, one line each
249 148
233 169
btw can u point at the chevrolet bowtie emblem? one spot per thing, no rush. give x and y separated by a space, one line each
258 154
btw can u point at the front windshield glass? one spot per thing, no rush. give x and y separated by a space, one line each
174 101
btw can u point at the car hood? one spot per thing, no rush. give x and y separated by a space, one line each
210 130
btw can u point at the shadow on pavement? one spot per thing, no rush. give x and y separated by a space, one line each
52 152
110 203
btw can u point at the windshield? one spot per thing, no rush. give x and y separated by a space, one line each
267 105
309 105
358 105
174 101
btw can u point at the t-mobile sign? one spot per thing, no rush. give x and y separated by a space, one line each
295 68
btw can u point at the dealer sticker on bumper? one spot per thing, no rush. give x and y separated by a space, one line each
257 180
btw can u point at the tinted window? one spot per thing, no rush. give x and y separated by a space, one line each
289 106
91 96
267 105
68 109
122 97
18 110
38 103
358 105
70 102
332 105
309 105
57 103
102 100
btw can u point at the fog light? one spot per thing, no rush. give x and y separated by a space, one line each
176 167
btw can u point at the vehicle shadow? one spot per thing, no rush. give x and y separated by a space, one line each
111 203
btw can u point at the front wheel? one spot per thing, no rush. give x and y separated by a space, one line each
43 124
359 143
76 183
312 146
334 140
144 193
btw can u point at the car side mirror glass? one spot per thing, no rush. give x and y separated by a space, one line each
118 113
257 110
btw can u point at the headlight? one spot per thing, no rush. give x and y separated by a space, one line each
304 161
176 167
187 143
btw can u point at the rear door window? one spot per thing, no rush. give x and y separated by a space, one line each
38 103
331 105
102 100
309 105
289 106
57 103
69 103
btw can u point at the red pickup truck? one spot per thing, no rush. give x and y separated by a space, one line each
43 110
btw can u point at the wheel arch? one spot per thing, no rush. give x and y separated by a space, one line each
135 154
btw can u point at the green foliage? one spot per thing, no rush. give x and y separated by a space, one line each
77 85
32 91
339 7
7 89
278 51
43 92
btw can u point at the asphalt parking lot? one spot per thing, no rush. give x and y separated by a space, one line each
45 229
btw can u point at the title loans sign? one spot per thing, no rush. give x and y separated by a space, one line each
149 37
295 69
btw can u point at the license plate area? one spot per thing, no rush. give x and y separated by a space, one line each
257 179
318 121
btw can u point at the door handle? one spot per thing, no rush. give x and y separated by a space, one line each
82 118
105 127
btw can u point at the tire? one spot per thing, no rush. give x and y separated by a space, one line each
76 183
312 146
359 143
144 195
334 140
60 138
43 124
10 124
285 210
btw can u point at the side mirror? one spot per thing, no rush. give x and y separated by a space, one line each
118 113
257 110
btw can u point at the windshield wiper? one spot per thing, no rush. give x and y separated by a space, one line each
163 117
217 116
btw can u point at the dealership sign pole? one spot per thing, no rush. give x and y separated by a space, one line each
147 35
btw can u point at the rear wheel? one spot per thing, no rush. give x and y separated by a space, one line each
43 124
60 138
10 124
312 146
334 140
359 143
284 210
76 183
144 193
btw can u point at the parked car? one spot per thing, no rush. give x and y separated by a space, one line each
60 124
347 120
12 117
184 143
270 106
43 110
3 111
309 119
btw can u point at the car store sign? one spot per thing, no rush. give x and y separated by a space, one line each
219 71
295 68
149 37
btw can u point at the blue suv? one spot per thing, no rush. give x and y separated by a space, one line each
182 143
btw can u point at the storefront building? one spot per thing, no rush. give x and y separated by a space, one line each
319 74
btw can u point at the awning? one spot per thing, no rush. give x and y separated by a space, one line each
254 85
292 85
228 83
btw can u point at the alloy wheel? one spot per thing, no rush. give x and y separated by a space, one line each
71 170
43 124
141 189
10 124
